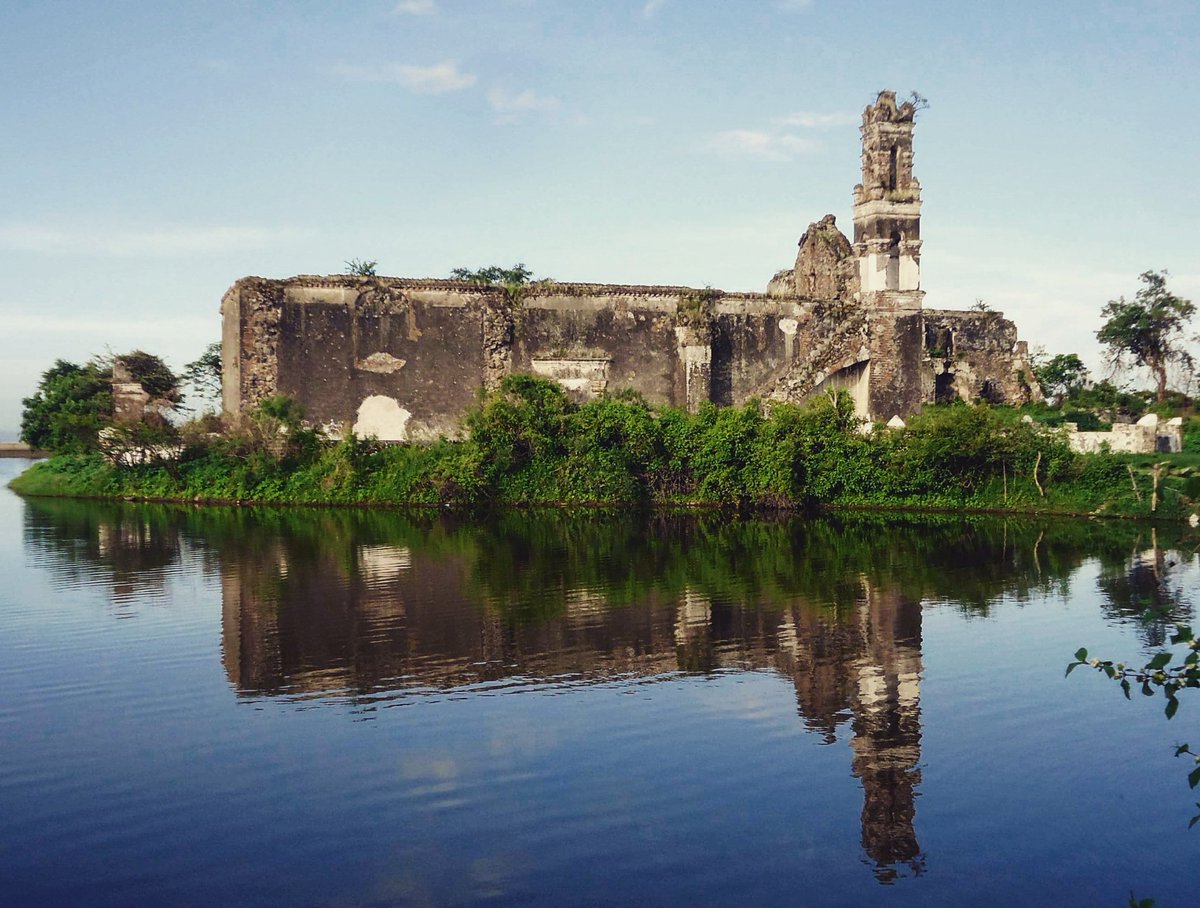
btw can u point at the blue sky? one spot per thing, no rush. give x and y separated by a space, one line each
152 153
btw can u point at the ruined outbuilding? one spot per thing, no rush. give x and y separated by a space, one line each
402 358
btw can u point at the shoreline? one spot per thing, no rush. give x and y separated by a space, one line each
650 506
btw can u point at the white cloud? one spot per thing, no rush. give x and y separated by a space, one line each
761 144
793 4
511 106
808 120
166 241
422 80
33 326
416 8
652 7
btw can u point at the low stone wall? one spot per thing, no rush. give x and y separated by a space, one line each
18 449
1147 436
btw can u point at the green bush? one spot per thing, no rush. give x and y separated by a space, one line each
530 444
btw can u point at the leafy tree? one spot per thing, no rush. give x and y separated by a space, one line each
71 405
361 267
1061 375
204 373
154 375
1148 330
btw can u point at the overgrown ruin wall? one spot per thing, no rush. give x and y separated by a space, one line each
403 359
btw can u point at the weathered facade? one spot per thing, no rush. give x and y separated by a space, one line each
402 359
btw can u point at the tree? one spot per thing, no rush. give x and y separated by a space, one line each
1061 375
1149 330
154 375
204 373
71 405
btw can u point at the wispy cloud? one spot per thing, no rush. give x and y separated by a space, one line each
422 80
780 139
167 241
793 4
758 143
808 120
416 8
510 106
652 7
168 326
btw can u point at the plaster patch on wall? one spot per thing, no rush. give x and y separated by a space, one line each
587 378
382 363
788 326
382 417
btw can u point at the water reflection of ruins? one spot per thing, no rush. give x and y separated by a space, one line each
367 607
391 624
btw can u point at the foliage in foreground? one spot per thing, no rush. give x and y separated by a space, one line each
530 444
1158 674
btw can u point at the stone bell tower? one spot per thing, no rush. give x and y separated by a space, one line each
887 206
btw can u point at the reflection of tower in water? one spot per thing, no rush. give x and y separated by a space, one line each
387 621
869 665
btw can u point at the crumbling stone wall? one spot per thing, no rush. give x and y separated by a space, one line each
975 355
1148 435
404 359
825 266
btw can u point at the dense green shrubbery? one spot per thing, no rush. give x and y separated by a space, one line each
73 404
530 444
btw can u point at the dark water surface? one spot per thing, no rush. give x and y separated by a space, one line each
296 707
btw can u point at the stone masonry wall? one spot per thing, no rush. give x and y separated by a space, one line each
975 355
404 359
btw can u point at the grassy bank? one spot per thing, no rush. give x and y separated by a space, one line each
529 445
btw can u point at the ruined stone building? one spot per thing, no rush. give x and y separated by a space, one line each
403 358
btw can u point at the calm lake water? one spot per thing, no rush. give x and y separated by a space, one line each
299 707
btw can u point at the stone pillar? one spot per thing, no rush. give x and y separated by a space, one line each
251 313
497 340
129 397
695 353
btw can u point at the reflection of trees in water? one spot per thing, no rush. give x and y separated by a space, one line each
125 547
374 605
1147 586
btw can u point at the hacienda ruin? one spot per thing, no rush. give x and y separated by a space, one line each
402 359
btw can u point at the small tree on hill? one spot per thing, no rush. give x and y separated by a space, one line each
1061 375
1149 330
